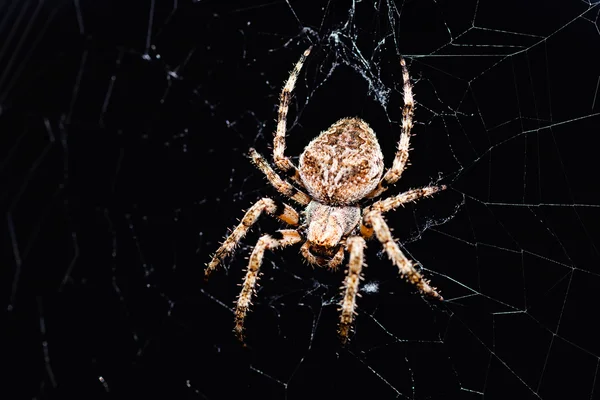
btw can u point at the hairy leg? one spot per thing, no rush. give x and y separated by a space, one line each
401 160
277 209
373 220
282 186
282 238
283 162
393 202
356 246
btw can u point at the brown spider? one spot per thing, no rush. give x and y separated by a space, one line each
340 168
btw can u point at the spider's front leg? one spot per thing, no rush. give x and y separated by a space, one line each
282 238
373 222
277 209
356 247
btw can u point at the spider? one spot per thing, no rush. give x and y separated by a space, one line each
338 171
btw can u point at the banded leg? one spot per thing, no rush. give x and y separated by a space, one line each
277 209
400 161
373 220
393 202
283 162
282 186
282 238
356 247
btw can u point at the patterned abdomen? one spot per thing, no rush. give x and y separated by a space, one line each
343 164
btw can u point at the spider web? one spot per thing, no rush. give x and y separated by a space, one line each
125 130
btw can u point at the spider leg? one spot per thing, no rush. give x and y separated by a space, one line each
400 161
283 162
356 247
393 202
374 221
277 209
282 238
282 186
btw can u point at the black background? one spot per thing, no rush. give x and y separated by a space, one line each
124 130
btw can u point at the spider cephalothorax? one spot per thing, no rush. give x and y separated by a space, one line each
339 169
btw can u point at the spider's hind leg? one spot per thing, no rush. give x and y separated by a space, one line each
282 161
282 238
401 160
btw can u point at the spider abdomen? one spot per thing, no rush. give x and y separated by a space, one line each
343 164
